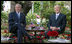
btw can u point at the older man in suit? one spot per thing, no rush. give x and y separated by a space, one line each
17 23
56 22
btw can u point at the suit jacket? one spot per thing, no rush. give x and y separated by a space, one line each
14 21
59 22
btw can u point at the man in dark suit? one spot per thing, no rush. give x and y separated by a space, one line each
17 23
56 22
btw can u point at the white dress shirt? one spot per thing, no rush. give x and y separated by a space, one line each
18 14
57 15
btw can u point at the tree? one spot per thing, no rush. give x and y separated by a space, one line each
37 7
1 5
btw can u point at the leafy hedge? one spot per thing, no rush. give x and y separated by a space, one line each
1 5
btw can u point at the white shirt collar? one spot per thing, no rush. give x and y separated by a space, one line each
18 13
57 13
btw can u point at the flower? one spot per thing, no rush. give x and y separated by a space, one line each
14 37
44 37
37 16
26 37
33 39
55 33
63 34
69 39
32 34
11 34
38 36
63 37
52 33
42 33
5 31
67 28
32 25
49 33
68 34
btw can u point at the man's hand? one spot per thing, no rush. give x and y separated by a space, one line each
53 28
58 28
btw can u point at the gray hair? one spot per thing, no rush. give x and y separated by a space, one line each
18 5
57 6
